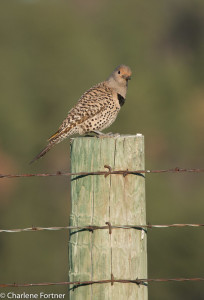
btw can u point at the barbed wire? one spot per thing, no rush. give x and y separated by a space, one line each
112 281
94 227
105 173
91 228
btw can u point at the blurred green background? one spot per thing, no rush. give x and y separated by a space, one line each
51 51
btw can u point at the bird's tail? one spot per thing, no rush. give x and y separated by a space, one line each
43 152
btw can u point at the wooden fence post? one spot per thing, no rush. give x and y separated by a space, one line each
97 199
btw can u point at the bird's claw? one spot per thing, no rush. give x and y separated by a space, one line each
99 134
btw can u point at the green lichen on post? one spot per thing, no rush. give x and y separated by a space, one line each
97 199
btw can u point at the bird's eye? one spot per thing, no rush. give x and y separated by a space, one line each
118 72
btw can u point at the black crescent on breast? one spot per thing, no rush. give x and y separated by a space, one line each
121 99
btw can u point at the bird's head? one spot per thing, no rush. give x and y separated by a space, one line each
121 75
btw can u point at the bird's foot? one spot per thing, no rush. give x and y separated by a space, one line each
100 134
95 133
113 134
89 135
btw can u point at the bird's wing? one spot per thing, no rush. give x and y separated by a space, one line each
89 105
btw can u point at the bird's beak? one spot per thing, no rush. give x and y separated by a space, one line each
127 77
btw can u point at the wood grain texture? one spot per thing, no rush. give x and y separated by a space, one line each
116 199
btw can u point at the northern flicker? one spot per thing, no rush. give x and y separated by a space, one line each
96 110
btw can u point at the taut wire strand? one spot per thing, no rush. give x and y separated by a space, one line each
94 227
106 173
80 283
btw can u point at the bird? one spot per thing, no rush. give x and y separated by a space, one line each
96 110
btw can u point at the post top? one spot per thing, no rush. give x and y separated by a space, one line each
112 136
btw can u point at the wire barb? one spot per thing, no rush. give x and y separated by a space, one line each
109 227
109 170
112 279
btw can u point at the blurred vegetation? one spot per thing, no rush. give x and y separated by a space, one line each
51 51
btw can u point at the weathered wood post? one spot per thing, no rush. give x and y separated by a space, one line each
97 199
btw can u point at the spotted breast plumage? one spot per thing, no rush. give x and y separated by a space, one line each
96 110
